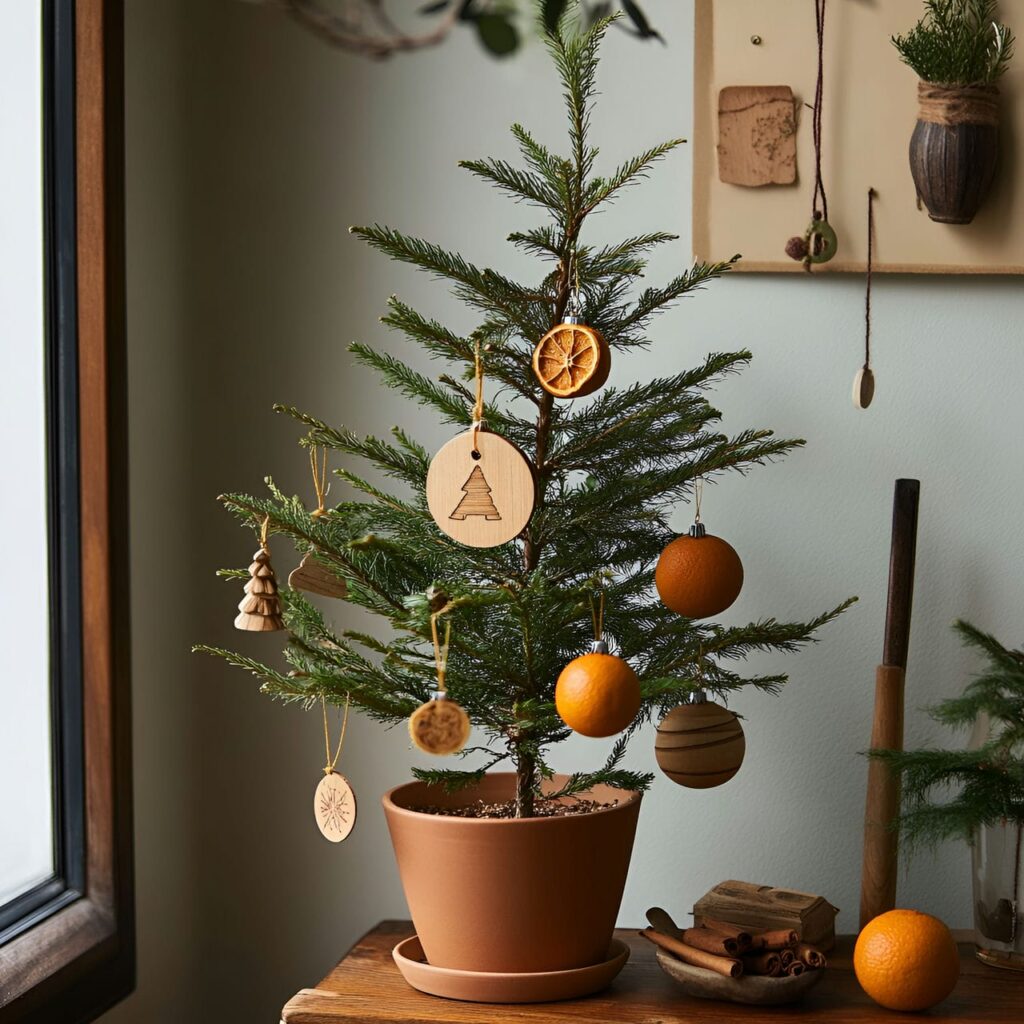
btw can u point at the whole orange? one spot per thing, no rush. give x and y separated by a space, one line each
597 695
906 960
698 576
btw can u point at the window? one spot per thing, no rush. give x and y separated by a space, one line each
66 916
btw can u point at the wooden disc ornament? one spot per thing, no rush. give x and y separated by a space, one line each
480 489
698 575
440 726
598 694
334 802
572 360
700 745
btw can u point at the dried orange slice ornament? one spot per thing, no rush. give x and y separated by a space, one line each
572 360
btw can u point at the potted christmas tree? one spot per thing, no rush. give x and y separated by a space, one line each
510 560
977 794
959 51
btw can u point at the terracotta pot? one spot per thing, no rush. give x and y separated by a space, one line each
511 895
954 149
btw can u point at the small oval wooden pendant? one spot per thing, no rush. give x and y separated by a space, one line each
334 806
863 387
481 495
439 727
700 745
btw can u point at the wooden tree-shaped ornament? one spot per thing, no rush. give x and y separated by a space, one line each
260 610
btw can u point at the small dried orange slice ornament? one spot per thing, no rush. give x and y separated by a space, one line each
572 360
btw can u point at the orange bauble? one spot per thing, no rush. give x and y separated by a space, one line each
572 360
597 694
698 575
906 960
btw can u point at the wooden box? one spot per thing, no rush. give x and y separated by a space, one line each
762 907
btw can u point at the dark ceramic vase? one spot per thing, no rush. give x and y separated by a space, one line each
954 149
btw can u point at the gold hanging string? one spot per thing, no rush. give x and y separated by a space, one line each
264 530
333 761
698 497
441 651
478 406
597 615
320 484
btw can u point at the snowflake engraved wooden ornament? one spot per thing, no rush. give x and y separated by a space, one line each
334 805
480 489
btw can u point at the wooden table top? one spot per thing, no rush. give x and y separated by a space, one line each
367 987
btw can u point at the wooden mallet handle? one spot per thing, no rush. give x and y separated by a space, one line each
881 842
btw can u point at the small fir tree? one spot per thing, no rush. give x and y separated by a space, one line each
609 473
951 794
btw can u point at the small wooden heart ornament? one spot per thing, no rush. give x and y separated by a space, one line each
480 489
863 387
314 577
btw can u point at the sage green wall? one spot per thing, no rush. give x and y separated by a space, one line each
251 148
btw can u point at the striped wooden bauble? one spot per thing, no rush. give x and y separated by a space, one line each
700 745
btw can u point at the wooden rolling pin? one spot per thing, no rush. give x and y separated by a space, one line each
723 965
881 842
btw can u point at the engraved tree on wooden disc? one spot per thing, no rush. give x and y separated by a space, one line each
477 500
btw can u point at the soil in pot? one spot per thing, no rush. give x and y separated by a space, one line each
512 895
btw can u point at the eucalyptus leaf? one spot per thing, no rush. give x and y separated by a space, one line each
639 19
497 34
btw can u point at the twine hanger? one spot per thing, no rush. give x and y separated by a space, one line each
264 531
698 497
867 292
320 484
332 762
440 650
478 405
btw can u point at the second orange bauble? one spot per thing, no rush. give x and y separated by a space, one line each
698 575
572 360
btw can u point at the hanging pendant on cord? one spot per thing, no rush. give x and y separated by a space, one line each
864 382
818 243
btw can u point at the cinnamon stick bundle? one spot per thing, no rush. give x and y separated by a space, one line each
711 941
779 939
814 958
768 964
726 966
741 935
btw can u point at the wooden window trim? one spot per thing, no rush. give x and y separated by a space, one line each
80 960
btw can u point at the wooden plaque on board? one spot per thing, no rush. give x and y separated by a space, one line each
868 114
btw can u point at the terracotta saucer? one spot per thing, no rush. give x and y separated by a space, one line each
486 987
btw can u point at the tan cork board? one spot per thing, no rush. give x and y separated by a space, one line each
869 112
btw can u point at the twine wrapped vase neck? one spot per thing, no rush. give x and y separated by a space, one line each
958 104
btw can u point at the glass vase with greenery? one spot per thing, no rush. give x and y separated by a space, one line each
977 793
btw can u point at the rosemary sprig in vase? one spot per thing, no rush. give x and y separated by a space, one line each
977 794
